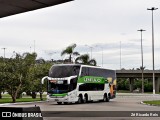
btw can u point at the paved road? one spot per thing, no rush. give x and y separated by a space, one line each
123 102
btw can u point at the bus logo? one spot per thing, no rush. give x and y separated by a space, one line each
93 80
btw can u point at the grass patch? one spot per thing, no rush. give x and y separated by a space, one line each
154 102
9 100
5 95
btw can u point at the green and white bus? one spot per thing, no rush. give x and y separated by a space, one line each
76 83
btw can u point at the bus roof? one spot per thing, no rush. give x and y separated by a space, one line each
81 65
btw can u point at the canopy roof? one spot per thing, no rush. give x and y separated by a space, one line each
11 7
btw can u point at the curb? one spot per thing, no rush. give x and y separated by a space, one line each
138 95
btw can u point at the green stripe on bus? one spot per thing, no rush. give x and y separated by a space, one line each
92 79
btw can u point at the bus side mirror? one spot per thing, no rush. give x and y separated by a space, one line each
42 81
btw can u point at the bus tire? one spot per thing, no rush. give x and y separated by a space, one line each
59 103
108 98
85 100
105 98
79 100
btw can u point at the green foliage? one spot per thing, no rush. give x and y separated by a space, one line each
123 84
148 87
35 74
1 76
15 73
70 51
137 83
22 73
85 59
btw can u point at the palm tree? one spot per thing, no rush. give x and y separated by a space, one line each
70 51
85 59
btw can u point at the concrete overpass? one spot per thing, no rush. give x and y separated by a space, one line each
11 7
131 74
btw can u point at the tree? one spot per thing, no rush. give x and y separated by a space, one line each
35 74
41 71
70 51
85 59
16 70
1 76
122 84
140 68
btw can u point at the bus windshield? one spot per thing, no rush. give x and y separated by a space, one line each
64 71
58 87
55 88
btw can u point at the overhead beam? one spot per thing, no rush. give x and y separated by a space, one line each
136 73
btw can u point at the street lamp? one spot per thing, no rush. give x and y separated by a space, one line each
4 51
152 9
102 56
120 52
90 48
141 30
102 53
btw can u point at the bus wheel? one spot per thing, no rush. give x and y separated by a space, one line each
108 98
79 100
105 98
59 103
85 100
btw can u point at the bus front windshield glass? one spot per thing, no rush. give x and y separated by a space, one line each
61 87
64 71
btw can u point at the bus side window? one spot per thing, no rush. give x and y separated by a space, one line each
82 87
94 72
85 71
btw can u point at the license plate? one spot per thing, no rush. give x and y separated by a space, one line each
56 100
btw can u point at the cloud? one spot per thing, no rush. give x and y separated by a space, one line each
101 23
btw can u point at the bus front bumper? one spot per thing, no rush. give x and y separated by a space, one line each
61 99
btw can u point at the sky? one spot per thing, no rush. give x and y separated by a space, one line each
100 24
